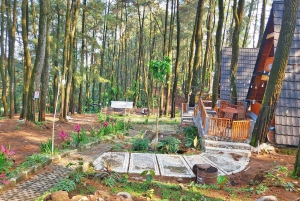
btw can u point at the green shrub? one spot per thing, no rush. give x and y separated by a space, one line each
64 185
140 144
169 145
46 147
190 133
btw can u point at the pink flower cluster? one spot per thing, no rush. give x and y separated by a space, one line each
77 128
63 136
7 152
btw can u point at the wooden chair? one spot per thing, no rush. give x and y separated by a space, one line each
241 113
223 104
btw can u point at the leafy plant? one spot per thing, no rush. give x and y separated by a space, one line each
190 133
64 185
277 175
46 147
110 181
140 144
222 180
169 145
79 137
289 186
149 175
260 189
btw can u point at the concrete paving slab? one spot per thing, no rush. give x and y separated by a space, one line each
118 161
228 162
199 159
173 166
140 162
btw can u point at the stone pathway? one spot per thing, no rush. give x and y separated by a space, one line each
226 161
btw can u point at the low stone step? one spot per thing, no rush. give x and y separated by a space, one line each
227 146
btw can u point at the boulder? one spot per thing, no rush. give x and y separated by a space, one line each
267 198
124 196
58 196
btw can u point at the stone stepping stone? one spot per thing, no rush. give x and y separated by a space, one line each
227 162
117 161
174 166
199 159
140 162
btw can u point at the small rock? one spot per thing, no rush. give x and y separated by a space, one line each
77 197
60 196
124 196
180 180
102 194
84 198
267 198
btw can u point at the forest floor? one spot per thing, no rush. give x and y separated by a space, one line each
25 140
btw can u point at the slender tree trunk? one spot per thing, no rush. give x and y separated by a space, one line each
225 23
62 117
262 23
75 12
197 59
39 62
2 66
174 90
27 57
218 54
238 12
208 44
248 22
45 72
11 57
82 59
255 24
274 85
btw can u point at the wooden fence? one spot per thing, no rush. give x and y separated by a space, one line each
203 112
219 127
240 130
223 127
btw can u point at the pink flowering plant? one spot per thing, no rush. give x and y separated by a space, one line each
6 163
65 138
79 137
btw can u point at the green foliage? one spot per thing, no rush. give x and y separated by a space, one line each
260 189
140 144
149 175
277 175
64 185
289 186
46 147
190 133
222 180
33 160
110 181
79 138
160 69
101 117
169 145
5 163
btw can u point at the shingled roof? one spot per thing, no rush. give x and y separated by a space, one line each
287 119
246 64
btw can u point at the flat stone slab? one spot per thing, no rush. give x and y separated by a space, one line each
140 162
118 161
174 166
199 159
227 162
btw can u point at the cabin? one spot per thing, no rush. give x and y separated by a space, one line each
287 115
246 63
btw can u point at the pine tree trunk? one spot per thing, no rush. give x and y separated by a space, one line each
218 54
12 25
27 58
174 90
45 72
80 97
276 78
39 62
2 66
238 12
197 59
248 22
208 44
262 23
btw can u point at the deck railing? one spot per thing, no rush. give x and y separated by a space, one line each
223 127
240 130
219 127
